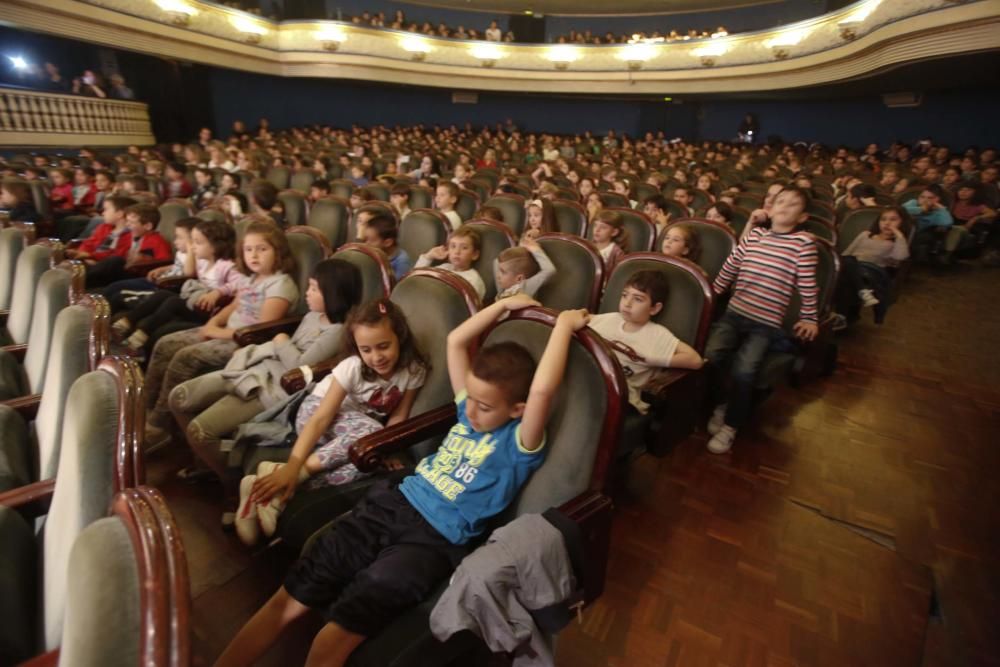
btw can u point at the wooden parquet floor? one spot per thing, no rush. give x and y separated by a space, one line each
854 523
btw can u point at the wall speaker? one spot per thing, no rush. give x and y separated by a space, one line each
900 100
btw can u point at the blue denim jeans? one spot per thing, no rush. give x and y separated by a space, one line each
737 347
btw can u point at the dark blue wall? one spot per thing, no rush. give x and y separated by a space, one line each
958 118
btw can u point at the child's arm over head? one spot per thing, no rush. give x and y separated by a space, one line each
468 331
548 377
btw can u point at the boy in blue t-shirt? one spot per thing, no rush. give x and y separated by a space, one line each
401 541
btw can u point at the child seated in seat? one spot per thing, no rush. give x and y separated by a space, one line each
611 238
763 270
401 542
374 386
16 199
540 219
522 270
682 241
399 197
656 209
213 247
722 212
864 278
445 198
135 240
318 189
61 193
381 232
639 343
461 252
932 220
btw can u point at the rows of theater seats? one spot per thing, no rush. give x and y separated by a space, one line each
92 569
68 430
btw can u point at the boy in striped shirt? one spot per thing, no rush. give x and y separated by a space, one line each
764 270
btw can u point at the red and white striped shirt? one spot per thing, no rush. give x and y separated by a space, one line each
767 267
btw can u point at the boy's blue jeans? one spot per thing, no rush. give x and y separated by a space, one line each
738 345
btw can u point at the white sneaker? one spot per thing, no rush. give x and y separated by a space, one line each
722 441
121 327
137 340
717 420
267 515
265 468
868 298
247 526
839 322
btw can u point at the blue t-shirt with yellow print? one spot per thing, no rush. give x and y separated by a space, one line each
471 478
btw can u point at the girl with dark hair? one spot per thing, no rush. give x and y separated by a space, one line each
212 406
374 386
866 265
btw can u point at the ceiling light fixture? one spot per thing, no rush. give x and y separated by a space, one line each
416 47
331 38
178 11
562 56
252 31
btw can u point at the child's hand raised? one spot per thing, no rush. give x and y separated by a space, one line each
574 319
758 217
439 252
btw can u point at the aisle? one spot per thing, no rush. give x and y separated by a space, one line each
824 536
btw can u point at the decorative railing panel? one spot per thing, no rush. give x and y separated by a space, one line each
35 118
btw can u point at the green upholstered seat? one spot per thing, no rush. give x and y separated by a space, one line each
512 209
494 237
571 218
421 230
294 203
641 230
331 215
579 273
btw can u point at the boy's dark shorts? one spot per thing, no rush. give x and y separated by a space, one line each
374 564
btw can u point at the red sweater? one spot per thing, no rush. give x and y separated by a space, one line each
61 197
151 246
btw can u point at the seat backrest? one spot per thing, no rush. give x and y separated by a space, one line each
31 264
309 247
467 204
739 219
855 222
579 273
614 200
331 215
170 212
144 619
421 197
56 289
213 214
512 209
294 203
495 237
85 483
827 270
278 176
688 311
819 228
571 218
586 417
341 187
641 230
302 180
12 242
40 194
79 341
716 239
421 230
821 209
378 190
376 272
18 588
434 302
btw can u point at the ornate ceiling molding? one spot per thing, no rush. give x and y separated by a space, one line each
859 40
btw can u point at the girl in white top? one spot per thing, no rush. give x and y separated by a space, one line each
375 386
461 252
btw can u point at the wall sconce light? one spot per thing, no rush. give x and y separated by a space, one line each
252 31
850 24
848 33
486 54
635 55
710 52
562 56
780 52
178 12
781 44
416 47
331 39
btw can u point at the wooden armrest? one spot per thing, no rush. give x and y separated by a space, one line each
662 378
31 500
50 659
17 351
143 266
265 331
294 380
26 406
369 452
592 511
172 283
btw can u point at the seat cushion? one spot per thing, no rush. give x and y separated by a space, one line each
330 217
420 231
573 284
51 298
31 264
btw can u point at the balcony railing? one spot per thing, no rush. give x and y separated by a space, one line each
34 118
